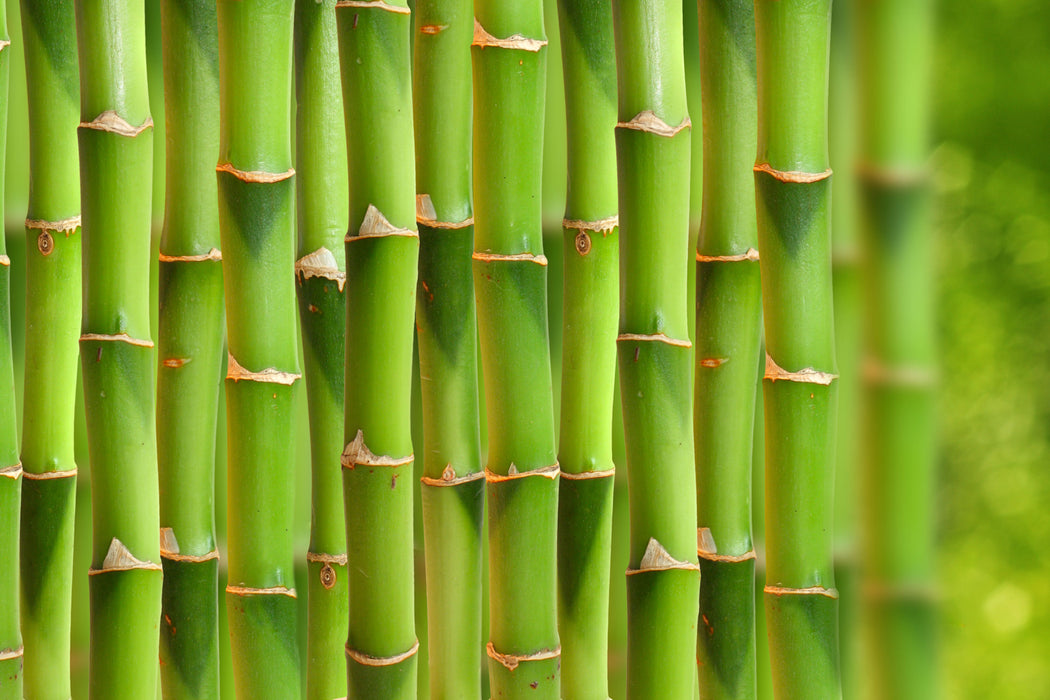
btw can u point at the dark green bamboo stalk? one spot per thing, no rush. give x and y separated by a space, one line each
453 481
257 224
52 328
591 279
898 523
793 184
655 355
190 349
382 254
728 322
10 468
320 275
510 273
116 166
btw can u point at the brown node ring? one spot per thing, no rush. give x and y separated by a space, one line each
369 660
512 661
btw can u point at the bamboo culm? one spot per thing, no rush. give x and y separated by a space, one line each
793 187
321 182
654 351
453 486
10 468
190 342
257 228
728 322
53 297
382 254
116 161
591 280
899 367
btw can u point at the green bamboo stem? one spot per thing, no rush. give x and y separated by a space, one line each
53 293
382 254
321 184
655 355
10 468
793 184
116 160
591 283
190 352
728 322
895 45
257 223
845 266
453 481
510 273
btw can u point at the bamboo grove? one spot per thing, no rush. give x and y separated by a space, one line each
356 256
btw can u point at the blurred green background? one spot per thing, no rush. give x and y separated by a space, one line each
990 158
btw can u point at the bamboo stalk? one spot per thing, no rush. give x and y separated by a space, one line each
655 355
320 276
510 273
591 283
453 481
900 351
116 160
256 222
382 254
53 297
793 184
190 349
728 322
11 675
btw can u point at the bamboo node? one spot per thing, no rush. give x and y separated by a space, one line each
212 255
426 215
4 43
656 558
8 654
511 661
47 476
376 225
176 362
604 226
707 550
66 226
254 176
369 660
432 29
169 549
552 472
12 472
751 255
713 362
653 338
509 257
116 337
806 375
796 177
270 375
320 263
482 39
586 476
113 123
322 558
877 373
812 590
246 591
449 478
374 5
648 122
357 454
120 558
892 176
